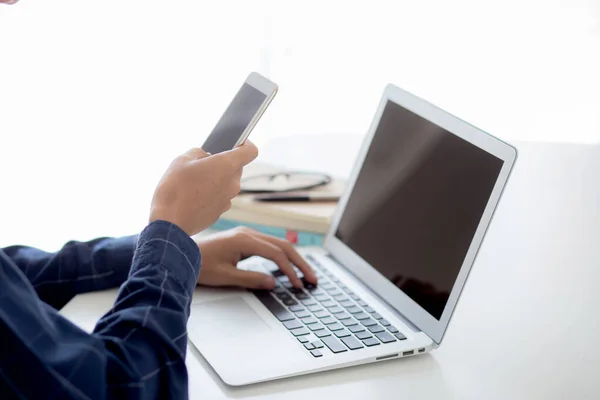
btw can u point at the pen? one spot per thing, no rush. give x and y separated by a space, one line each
297 197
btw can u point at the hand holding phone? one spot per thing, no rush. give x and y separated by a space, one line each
242 114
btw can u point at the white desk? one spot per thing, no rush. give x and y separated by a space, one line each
527 324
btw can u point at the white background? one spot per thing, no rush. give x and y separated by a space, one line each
97 97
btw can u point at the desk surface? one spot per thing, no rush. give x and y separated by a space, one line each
527 322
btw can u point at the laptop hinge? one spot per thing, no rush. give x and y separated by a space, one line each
388 305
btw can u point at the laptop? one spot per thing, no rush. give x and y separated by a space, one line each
391 269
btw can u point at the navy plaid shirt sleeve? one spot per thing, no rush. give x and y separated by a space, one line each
79 267
137 350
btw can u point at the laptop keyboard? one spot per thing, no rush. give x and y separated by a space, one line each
329 316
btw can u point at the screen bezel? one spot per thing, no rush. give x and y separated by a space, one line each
269 89
372 278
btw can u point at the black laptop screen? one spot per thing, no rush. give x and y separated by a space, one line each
416 205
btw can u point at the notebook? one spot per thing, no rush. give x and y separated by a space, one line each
299 222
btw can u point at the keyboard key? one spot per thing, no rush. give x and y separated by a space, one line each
361 316
369 310
334 345
293 324
342 333
328 303
368 322
317 344
302 296
348 322
302 314
315 327
329 320
279 290
322 333
277 273
336 309
309 346
316 353
384 337
376 316
309 302
363 335
300 331
376 328
309 320
352 343
347 289
342 315
326 285
289 302
354 296
392 329
321 297
340 297
334 292
322 314
273 305
384 322
296 290
302 339
362 303
314 308
356 328
354 310
315 290
347 303
284 295
371 342
400 336
297 308
335 327
287 285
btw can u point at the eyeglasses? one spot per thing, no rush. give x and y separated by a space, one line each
283 182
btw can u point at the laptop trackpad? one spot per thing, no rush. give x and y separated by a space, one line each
228 317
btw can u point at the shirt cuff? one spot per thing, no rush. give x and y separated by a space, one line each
165 244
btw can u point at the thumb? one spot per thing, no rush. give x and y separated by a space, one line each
196 153
241 155
248 279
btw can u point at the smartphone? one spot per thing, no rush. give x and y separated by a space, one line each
242 114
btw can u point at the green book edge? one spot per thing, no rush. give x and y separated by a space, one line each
299 238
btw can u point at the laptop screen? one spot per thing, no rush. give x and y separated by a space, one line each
416 204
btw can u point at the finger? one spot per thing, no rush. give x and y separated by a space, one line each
196 153
241 155
292 255
252 245
247 279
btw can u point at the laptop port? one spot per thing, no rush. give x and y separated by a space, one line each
422 350
408 353
386 357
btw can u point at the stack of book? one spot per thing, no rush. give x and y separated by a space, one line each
303 223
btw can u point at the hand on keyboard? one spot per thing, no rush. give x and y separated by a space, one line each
222 251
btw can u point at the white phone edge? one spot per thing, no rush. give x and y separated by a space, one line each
265 86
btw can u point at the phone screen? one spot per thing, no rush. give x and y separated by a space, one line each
234 121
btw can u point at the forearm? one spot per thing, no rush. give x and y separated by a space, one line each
79 267
137 349
149 319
